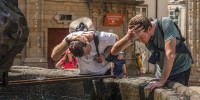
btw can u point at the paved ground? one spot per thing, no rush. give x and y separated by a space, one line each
196 88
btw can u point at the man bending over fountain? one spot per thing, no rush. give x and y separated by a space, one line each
81 44
163 38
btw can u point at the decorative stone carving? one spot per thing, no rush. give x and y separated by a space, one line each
13 33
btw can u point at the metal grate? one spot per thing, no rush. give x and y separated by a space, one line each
65 17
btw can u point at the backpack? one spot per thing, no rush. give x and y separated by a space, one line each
180 48
110 57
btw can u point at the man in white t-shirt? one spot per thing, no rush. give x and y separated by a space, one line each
89 62
82 46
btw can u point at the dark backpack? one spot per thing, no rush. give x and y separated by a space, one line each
180 48
110 57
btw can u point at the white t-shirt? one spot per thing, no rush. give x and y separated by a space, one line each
87 64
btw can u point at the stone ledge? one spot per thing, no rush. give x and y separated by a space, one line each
122 89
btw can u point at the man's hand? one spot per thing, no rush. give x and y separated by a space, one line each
99 59
154 84
135 32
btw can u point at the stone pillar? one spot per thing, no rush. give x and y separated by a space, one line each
34 50
194 36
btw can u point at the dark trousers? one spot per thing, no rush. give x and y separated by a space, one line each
182 77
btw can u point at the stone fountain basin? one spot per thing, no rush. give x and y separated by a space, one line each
115 89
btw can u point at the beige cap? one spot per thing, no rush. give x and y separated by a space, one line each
85 20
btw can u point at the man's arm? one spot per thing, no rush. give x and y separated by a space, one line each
106 52
126 40
121 45
102 57
170 47
170 53
59 50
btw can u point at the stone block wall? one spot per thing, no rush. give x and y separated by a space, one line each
193 37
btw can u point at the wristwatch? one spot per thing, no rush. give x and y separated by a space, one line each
67 40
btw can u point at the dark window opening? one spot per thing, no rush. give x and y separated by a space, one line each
66 17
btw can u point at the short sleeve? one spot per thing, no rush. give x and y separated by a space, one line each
109 37
170 31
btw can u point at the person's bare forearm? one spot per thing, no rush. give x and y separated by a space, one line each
59 50
168 60
120 45
167 67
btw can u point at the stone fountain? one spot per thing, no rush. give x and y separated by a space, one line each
13 33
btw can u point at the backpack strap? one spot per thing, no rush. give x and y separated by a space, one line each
96 40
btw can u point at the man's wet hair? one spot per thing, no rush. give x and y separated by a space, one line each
139 19
76 48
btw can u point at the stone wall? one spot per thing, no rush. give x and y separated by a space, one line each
193 37
112 89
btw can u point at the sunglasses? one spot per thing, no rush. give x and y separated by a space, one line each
121 53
